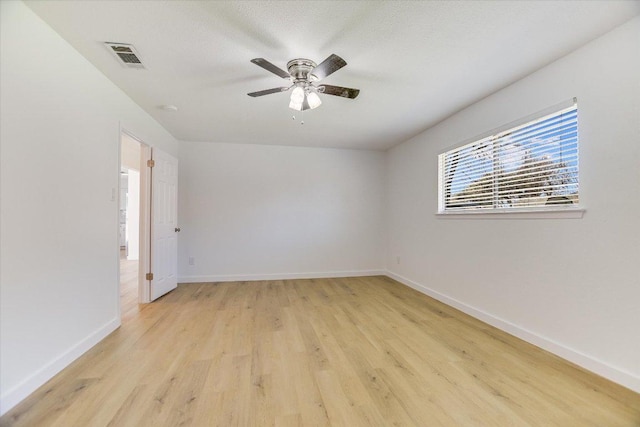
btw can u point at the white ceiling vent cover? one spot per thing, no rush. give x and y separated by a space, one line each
126 54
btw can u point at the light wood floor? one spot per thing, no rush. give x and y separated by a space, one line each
345 352
129 306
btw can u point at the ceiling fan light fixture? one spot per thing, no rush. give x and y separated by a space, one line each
297 95
297 98
295 105
313 99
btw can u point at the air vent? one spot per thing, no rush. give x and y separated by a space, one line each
126 54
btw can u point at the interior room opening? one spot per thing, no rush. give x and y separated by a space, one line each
129 224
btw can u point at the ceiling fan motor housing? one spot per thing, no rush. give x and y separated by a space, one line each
300 70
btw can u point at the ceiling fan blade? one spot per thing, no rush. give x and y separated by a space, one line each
268 91
329 66
345 92
261 62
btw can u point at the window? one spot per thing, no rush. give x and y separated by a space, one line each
533 166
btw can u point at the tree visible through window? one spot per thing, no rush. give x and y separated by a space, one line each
532 165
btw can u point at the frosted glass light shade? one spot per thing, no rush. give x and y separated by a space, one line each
297 98
314 100
295 105
297 95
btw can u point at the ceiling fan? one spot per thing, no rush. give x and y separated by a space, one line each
304 75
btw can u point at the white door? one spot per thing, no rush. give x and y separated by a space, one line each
164 225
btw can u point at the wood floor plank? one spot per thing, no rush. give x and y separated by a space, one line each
311 405
363 351
128 413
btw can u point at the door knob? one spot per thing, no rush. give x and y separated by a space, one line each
177 229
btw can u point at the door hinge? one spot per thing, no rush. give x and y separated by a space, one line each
149 276
151 163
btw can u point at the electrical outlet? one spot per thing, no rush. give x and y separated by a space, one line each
192 261
398 260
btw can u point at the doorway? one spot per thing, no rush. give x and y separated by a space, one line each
132 237
129 242
147 224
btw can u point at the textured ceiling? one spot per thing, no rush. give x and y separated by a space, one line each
415 63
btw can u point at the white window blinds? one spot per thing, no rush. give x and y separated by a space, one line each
531 165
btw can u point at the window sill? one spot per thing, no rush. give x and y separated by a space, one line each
512 214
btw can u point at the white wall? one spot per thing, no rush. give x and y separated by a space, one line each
256 212
59 117
570 285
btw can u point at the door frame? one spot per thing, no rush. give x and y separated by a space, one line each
144 220
144 260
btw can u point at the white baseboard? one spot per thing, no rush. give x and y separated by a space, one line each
619 376
14 395
279 276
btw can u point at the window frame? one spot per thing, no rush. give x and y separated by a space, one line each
533 212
